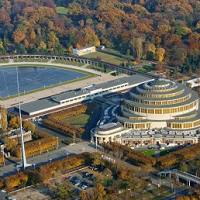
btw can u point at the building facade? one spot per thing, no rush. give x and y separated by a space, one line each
156 112
84 50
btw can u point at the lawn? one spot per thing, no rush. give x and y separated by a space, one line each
148 152
4 61
80 119
61 10
98 68
66 62
31 60
106 57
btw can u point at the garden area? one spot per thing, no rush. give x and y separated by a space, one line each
66 62
106 57
98 68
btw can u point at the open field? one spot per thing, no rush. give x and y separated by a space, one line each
61 10
148 152
4 61
66 62
31 60
106 57
98 68
80 119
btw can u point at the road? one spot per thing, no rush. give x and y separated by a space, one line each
178 190
49 157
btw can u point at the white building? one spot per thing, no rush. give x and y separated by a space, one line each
84 50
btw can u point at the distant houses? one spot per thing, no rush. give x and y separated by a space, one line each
84 50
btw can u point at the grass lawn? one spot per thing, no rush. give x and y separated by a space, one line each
31 60
4 61
80 119
98 68
66 62
148 152
106 57
61 10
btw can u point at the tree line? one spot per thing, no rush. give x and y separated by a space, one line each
130 155
172 158
162 30
54 121
43 173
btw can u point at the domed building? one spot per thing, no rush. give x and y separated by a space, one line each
156 112
161 104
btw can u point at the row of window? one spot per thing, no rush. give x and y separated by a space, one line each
164 89
162 102
92 95
162 95
161 111
183 125
137 125
186 117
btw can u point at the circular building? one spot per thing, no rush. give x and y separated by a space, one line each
108 132
160 104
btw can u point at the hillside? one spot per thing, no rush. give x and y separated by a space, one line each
165 30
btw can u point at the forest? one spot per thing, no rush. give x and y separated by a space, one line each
163 30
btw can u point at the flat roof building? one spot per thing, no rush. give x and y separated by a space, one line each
69 98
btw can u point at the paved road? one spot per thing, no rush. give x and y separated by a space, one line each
49 157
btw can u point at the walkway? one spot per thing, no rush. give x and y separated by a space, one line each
101 78
49 157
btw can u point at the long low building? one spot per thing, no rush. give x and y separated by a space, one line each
70 98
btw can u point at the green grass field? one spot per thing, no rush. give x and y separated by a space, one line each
98 68
4 61
106 57
148 152
80 119
66 62
61 10
31 60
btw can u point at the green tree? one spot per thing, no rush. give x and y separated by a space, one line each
64 190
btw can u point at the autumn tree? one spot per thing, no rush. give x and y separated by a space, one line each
10 143
4 121
137 47
159 54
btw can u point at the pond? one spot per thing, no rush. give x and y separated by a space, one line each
33 78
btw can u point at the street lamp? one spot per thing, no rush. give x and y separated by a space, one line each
40 147
74 137
57 143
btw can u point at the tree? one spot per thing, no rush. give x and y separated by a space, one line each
29 126
137 47
83 195
4 121
52 40
100 191
64 190
159 54
74 8
10 143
